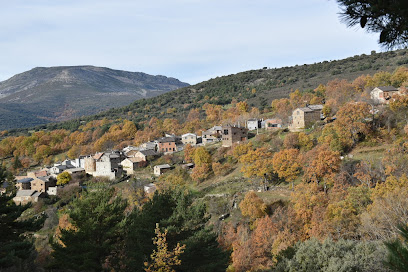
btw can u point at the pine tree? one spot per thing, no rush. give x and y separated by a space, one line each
15 245
397 258
96 233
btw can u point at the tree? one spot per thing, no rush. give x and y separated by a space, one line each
15 241
64 178
91 244
202 160
388 17
322 164
329 255
252 206
257 163
286 164
162 259
397 258
186 224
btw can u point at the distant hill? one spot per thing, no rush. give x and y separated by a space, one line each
43 95
268 83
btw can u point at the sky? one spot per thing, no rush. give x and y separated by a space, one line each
191 40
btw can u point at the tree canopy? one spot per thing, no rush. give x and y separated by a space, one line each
388 17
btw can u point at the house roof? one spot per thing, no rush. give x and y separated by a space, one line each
36 194
163 166
25 180
188 134
133 160
388 88
311 108
131 153
97 156
276 121
41 173
252 120
25 192
45 179
75 170
315 107
166 140
148 152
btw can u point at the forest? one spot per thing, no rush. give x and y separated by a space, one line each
333 197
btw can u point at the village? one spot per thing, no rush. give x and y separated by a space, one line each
121 164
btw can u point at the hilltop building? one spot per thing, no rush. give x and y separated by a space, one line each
305 117
383 94
231 135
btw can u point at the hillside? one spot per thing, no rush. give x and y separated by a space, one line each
269 84
270 202
43 95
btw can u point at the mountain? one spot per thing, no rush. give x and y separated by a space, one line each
43 95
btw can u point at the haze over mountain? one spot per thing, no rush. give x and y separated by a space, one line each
44 95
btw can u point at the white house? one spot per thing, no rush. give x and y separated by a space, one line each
253 124
189 138
383 94
160 169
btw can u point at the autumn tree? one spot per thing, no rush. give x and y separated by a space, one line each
242 107
286 163
163 259
257 163
388 210
252 206
202 164
351 122
64 178
281 107
321 164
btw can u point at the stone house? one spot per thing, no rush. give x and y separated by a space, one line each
383 94
212 135
76 172
161 169
104 164
129 165
58 169
145 155
231 135
24 183
305 117
189 138
253 124
148 145
42 184
24 197
273 124
166 145
37 174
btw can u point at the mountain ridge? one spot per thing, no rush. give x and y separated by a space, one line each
50 94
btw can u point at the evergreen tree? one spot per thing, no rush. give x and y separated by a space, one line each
15 244
93 242
397 258
186 224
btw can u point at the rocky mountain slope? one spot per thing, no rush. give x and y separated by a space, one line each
44 95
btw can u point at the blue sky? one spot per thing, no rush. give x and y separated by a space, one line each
192 40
